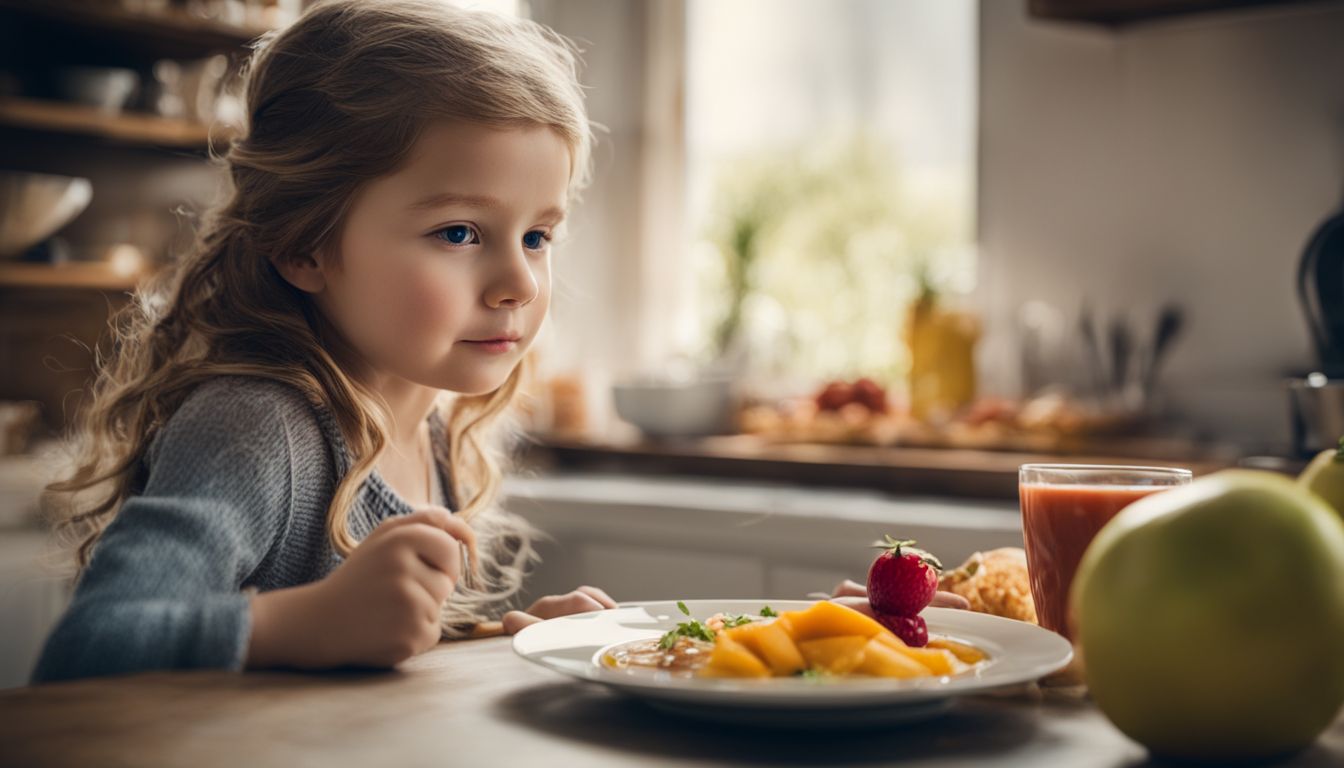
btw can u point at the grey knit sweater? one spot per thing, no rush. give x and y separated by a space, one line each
236 497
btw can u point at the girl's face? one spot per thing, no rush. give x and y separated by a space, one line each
444 271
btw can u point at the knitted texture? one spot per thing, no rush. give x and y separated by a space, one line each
236 499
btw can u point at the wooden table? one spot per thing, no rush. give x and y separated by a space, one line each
474 703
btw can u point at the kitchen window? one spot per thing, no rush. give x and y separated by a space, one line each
842 138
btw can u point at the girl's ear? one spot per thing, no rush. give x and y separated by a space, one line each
303 271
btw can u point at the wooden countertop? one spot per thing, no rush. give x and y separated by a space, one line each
474 703
950 472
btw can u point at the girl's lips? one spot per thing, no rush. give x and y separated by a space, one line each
494 346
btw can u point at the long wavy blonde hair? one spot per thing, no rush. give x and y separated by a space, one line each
333 101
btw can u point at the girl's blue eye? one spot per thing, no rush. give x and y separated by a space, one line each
457 234
534 240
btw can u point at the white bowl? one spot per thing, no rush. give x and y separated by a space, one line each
677 409
33 206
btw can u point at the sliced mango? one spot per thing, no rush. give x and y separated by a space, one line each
827 619
732 659
771 643
882 660
939 661
967 654
836 655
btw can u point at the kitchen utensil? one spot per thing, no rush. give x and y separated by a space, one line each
1122 345
1320 286
1092 349
1040 330
1316 411
33 206
1170 321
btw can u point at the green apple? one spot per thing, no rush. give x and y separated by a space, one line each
1211 618
1324 476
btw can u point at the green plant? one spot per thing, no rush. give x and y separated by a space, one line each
834 241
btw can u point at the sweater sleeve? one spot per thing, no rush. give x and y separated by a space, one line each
163 589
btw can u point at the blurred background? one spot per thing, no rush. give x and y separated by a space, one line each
845 266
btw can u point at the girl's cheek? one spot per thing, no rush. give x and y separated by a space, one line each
430 306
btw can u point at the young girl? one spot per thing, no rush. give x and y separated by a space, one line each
271 451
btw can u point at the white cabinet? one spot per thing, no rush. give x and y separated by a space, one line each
642 538
32 596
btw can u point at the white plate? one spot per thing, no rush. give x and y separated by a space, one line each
1018 653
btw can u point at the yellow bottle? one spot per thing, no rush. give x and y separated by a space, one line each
941 343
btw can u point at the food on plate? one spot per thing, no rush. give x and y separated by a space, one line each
994 582
912 630
903 578
825 639
1211 618
901 583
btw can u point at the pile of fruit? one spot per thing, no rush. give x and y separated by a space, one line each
829 639
864 393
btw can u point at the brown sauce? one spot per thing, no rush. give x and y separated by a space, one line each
684 658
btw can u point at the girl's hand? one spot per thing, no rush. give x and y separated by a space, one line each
380 607
855 595
581 600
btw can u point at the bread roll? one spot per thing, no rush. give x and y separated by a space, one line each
994 582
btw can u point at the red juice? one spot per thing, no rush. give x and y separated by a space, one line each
1058 522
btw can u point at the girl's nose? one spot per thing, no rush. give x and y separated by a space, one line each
514 285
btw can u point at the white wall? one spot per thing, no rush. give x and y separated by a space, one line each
1187 159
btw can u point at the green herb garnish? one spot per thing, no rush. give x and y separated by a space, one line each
811 672
692 628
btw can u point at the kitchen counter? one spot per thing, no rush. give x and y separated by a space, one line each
474 703
964 473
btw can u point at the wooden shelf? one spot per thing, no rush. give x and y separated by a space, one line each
95 276
124 128
171 33
1130 11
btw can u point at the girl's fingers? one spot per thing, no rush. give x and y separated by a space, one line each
514 621
445 521
602 598
950 600
849 588
433 579
433 547
859 604
940 600
563 605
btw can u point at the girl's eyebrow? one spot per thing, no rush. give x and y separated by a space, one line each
442 199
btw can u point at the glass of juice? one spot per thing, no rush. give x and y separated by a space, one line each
1063 507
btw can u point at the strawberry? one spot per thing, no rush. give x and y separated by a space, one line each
902 579
835 396
871 394
911 629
